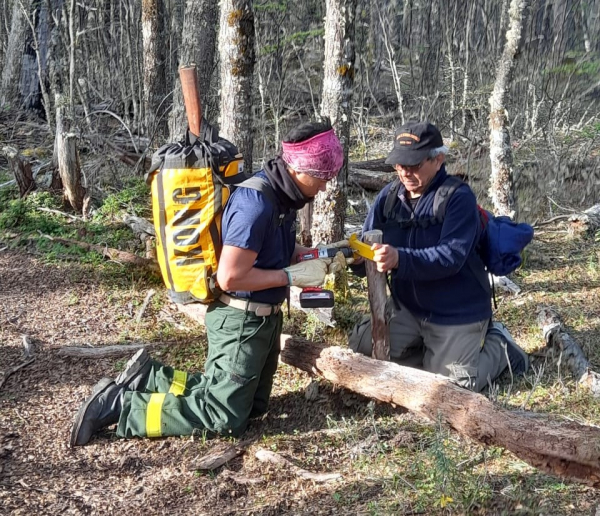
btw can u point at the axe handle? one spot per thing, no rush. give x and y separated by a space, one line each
191 97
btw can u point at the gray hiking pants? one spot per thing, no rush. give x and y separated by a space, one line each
464 353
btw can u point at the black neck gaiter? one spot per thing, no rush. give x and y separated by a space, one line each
288 193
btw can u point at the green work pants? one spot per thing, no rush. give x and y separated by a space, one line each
243 352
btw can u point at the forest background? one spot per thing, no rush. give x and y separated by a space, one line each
98 80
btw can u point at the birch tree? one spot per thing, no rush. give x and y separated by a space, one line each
236 50
502 177
329 207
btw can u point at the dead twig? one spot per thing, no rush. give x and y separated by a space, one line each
106 351
274 458
58 212
140 314
14 370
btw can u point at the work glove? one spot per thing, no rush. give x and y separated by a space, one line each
339 263
310 273
340 243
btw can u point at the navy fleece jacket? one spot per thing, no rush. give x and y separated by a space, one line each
440 277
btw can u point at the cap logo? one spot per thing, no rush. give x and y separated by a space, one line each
409 136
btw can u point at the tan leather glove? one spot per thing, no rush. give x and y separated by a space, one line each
339 263
341 243
310 273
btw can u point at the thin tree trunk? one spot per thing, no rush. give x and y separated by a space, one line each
198 41
236 49
11 71
329 207
502 178
153 14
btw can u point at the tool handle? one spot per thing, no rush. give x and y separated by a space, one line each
191 97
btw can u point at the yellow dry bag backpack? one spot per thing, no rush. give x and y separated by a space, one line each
191 182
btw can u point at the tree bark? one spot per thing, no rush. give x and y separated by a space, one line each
21 168
569 352
377 289
199 36
69 167
329 207
565 449
236 48
502 177
11 72
153 14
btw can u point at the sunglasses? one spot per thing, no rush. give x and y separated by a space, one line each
411 169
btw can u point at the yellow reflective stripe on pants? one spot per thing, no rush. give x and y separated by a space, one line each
153 414
178 383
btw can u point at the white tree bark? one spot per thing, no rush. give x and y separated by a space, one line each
236 50
502 180
329 207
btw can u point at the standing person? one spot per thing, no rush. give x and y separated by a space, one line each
256 267
440 306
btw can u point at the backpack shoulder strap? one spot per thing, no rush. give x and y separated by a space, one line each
442 196
391 199
263 186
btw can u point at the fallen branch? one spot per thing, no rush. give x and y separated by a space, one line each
567 450
220 455
140 314
589 219
569 352
14 370
58 212
274 458
106 351
108 252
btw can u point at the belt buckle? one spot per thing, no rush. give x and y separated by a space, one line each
264 311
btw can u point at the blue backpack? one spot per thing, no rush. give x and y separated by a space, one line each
501 242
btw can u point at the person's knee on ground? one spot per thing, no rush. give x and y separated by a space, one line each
518 360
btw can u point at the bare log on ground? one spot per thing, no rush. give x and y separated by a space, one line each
587 220
21 169
568 352
368 179
564 449
378 165
115 255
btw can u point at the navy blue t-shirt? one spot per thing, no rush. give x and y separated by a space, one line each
248 223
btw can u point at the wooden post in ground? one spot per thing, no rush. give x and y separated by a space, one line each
376 285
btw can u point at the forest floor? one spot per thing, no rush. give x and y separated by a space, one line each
389 461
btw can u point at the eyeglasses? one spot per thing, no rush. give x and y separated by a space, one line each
411 169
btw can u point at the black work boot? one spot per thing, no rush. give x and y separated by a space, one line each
100 410
133 377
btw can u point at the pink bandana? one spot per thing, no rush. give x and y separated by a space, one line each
321 156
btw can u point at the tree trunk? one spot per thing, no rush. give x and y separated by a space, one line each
329 207
11 72
564 449
199 35
502 178
153 14
236 49
68 160
21 168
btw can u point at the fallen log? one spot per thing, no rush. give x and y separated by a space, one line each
565 449
115 255
567 351
369 180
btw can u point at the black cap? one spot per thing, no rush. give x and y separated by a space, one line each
412 143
